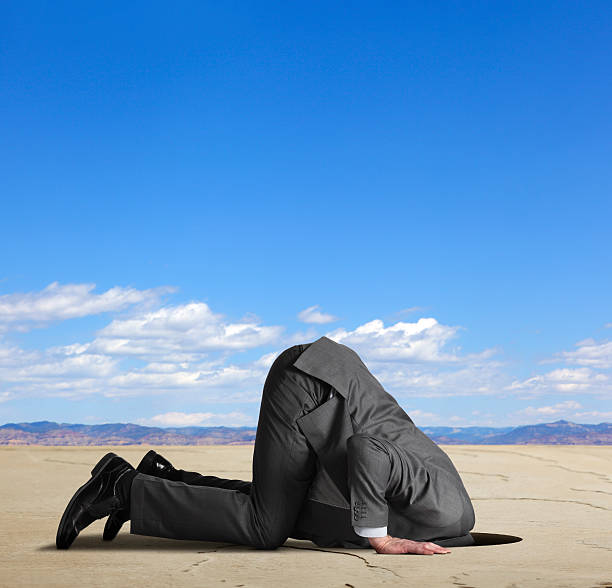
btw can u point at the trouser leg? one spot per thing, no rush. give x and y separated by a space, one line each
196 479
283 469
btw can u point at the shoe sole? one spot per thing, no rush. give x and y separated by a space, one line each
113 519
94 473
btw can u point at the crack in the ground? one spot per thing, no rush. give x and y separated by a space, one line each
196 564
595 545
536 457
459 452
586 490
543 500
363 559
553 463
66 461
502 476
457 582
200 562
602 477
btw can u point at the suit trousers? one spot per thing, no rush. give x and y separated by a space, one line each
261 513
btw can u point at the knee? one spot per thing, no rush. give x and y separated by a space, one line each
271 544
271 540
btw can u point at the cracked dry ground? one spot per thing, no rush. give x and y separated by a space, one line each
557 498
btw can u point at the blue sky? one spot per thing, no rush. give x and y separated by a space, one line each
187 190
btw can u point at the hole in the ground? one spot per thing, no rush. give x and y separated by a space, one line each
477 539
493 539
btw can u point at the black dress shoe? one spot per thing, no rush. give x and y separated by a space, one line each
95 499
152 464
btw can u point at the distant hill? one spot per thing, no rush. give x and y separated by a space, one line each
50 433
557 433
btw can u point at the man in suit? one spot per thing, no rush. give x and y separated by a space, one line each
336 460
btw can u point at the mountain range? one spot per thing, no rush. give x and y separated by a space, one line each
52 433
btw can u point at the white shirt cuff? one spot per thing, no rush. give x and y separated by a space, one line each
371 531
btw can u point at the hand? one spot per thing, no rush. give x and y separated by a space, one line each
394 545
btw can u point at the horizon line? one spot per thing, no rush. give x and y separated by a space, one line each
255 426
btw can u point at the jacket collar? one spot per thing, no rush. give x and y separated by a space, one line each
331 362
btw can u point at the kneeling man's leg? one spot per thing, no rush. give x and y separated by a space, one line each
283 469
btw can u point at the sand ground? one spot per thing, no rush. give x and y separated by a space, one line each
558 499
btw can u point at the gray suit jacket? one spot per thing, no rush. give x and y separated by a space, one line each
435 504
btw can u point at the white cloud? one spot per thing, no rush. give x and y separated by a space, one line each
186 350
177 347
410 309
312 314
188 377
61 302
196 419
564 380
422 341
421 417
186 331
568 410
551 411
591 416
593 377
53 372
86 375
76 371
474 377
410 359
589 353
266 360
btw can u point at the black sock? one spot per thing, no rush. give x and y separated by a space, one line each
124 485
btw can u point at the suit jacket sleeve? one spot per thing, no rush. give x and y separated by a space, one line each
369 470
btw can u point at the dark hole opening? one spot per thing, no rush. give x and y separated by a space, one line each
493 539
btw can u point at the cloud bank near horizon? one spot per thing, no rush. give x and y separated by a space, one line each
151 348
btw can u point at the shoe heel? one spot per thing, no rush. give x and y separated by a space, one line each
146 463
102 463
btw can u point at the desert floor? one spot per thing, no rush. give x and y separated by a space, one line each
558 499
